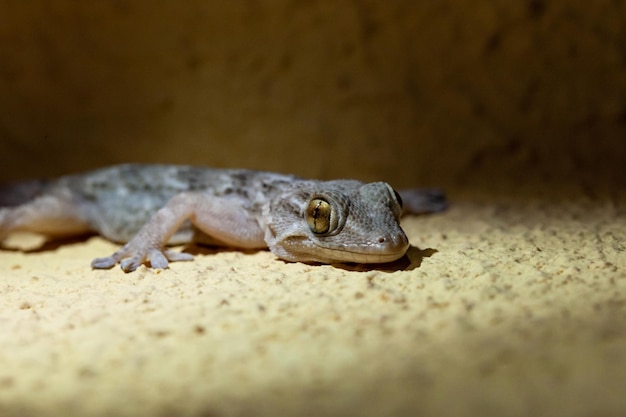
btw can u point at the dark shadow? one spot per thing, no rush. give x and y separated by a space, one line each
201 249
52 244
410 261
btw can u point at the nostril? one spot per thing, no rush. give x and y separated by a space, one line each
381 240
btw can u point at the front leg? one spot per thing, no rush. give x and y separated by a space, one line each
223 218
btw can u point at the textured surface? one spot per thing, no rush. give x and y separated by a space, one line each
431 93
520 311
507 309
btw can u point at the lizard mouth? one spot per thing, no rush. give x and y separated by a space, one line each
384 249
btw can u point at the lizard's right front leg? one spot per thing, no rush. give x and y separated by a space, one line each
222 218
149 243
132 255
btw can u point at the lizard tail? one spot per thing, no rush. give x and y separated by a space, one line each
15 194
423 200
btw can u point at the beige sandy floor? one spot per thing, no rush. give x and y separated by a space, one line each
507 309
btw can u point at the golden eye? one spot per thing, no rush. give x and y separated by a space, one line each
318 215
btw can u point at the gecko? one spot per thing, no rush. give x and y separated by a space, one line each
150 207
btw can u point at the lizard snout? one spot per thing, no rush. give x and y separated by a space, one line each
389 247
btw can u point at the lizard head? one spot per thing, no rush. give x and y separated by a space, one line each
336 221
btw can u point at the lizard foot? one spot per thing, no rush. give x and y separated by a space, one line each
130 261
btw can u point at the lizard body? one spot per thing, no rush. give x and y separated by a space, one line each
151 206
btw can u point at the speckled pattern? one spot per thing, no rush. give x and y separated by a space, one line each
510 307
503 308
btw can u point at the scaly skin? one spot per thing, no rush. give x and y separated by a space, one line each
151 206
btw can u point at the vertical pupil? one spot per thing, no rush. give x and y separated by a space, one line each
316 214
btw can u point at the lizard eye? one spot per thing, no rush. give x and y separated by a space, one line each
319 216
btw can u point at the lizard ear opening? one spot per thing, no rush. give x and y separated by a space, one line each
320 217
398 199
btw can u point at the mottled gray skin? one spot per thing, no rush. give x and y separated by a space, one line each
150 206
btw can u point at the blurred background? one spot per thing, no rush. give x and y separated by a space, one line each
470 95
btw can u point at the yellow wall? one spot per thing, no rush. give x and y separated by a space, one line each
457 93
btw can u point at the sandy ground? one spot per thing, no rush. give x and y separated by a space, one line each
502 308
